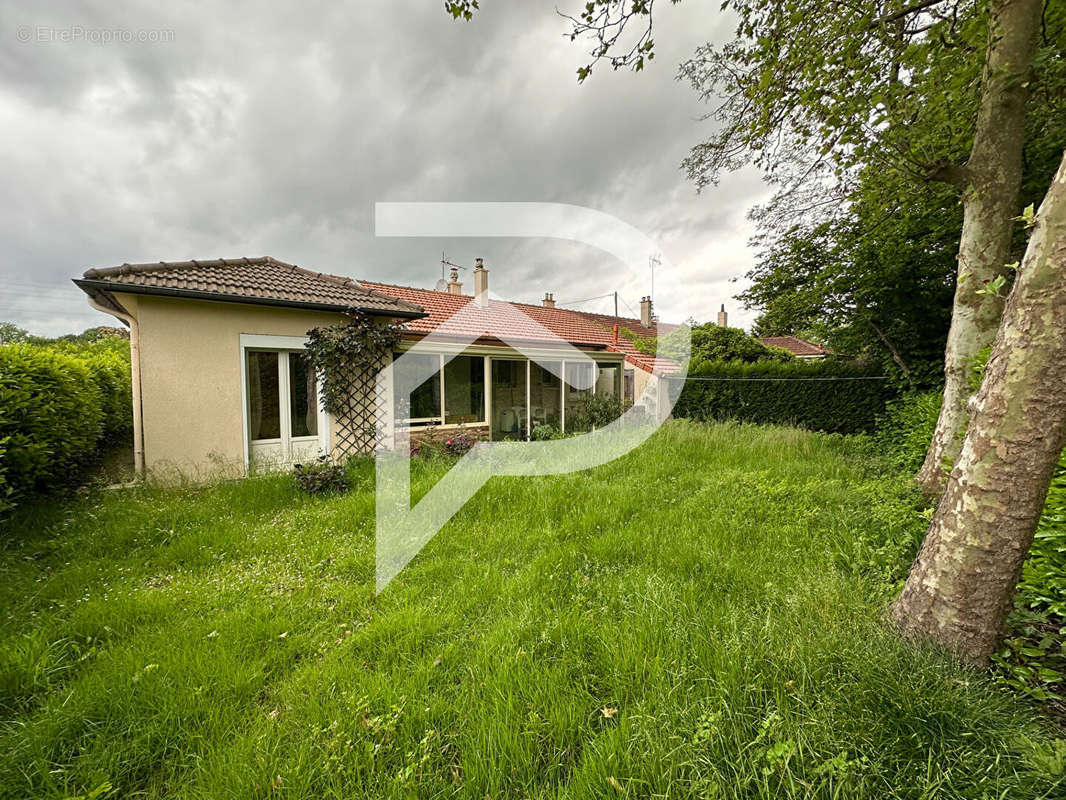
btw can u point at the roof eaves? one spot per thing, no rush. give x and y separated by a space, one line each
192 294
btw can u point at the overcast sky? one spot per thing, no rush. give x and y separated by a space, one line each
271 128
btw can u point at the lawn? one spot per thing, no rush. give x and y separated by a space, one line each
702 618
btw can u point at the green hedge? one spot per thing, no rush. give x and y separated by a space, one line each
833 396
58 405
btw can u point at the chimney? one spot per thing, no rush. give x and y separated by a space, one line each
454 286
616 334
645 311
549 300
481 283
722 317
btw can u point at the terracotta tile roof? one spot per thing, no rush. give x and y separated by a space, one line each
575 327
798 347
263 280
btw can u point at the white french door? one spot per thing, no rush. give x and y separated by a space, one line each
281 408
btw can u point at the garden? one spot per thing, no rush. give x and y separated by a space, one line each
636 630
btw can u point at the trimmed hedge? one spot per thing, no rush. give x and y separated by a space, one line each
58 405
844 397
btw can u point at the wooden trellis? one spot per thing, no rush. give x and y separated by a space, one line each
348 359
359 412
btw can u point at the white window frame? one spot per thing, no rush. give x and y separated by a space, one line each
278 344
439 420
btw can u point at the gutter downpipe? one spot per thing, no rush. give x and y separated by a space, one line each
135 370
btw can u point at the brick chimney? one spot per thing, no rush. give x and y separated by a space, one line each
723 317
549 300
481 283
454 286
645 312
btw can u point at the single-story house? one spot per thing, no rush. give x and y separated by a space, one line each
220 380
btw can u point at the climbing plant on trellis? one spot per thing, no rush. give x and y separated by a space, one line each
348 358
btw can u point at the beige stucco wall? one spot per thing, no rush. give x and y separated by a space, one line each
191 378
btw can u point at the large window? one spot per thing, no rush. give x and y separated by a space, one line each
462 389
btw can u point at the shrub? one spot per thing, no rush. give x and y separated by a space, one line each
833 396
320 476
51 415
906 428
543 433
594 411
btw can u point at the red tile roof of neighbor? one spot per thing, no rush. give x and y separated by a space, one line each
263 280
798 347
575 327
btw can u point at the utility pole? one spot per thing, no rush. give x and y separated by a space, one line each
616 304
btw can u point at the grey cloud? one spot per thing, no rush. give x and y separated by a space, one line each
271 128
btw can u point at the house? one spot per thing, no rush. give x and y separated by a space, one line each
800 348
220 379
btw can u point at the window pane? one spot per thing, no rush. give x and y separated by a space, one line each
577 418
264 411
607 380
424 404
464 390
509 418
545 395
303 405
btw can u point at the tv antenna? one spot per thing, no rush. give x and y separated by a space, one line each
653 262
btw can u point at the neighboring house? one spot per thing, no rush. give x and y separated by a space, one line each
800 348
220 380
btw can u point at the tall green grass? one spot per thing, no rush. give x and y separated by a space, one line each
702 618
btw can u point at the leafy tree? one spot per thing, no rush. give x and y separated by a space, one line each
11 333
959 590
709 342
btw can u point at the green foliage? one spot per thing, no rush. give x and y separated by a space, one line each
832 396
60 402
320 476
693 633
10 333
543 433
872 285
594 411
906 428
52 415
343 354
709 342
1033 657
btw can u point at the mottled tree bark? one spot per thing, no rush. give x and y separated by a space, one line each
961 585
991 181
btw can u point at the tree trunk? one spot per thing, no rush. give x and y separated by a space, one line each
991 182
960 587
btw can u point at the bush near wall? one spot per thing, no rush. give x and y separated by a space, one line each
59 404
843 397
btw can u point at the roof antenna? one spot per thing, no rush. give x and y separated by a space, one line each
442 284
653 262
